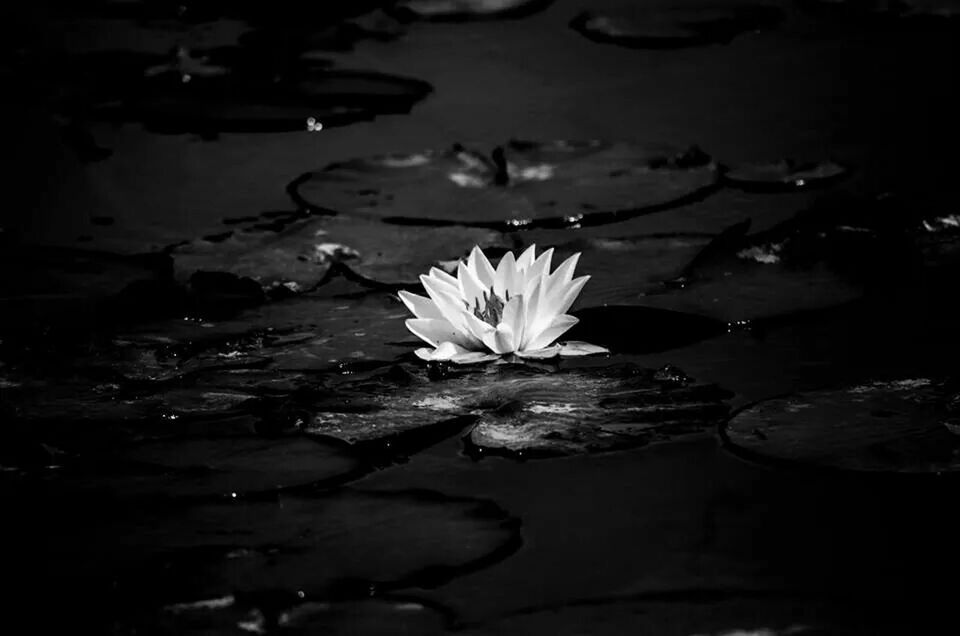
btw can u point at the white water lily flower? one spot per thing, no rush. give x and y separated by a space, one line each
483 313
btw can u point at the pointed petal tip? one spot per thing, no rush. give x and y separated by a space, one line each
575 348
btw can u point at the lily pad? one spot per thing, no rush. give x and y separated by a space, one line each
462 10
671 27
312 40
885 11
256 11
212 467
385 615
298 257
572 413
521 185
342 544
880 427
526 410
702 612
826 255
230 90
785 175
45 284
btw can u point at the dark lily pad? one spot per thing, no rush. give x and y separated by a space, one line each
211 467
233 90
613 409
463 10
48 284
671 27
706 613
299 256
291 259
886 11
521 185
306 332
785 175
526 410
379 615
279 11
342 544
828 254
311 40
880 427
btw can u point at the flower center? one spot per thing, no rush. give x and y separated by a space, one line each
492 310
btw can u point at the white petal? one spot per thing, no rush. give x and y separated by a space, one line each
477 327
526 259
500 340
448 284
579 348
503 279
477 261
570 294
424 353
471 289
419 306
513 316
557 328
564 273
438 274
540 266
446 351
531 298
473 357
436 330
539 354
450 306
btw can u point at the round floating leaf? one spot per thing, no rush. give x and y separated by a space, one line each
826 255
230 89
703 613
671 27
227 615
346 543
290 258
457 10
885 11
307 332
228 466
521 185
570 413
784 175
54 285
302 101
882 427
297 256
523 409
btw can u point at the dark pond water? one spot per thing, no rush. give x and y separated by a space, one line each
212 418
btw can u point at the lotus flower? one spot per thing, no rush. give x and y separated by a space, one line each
484 313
